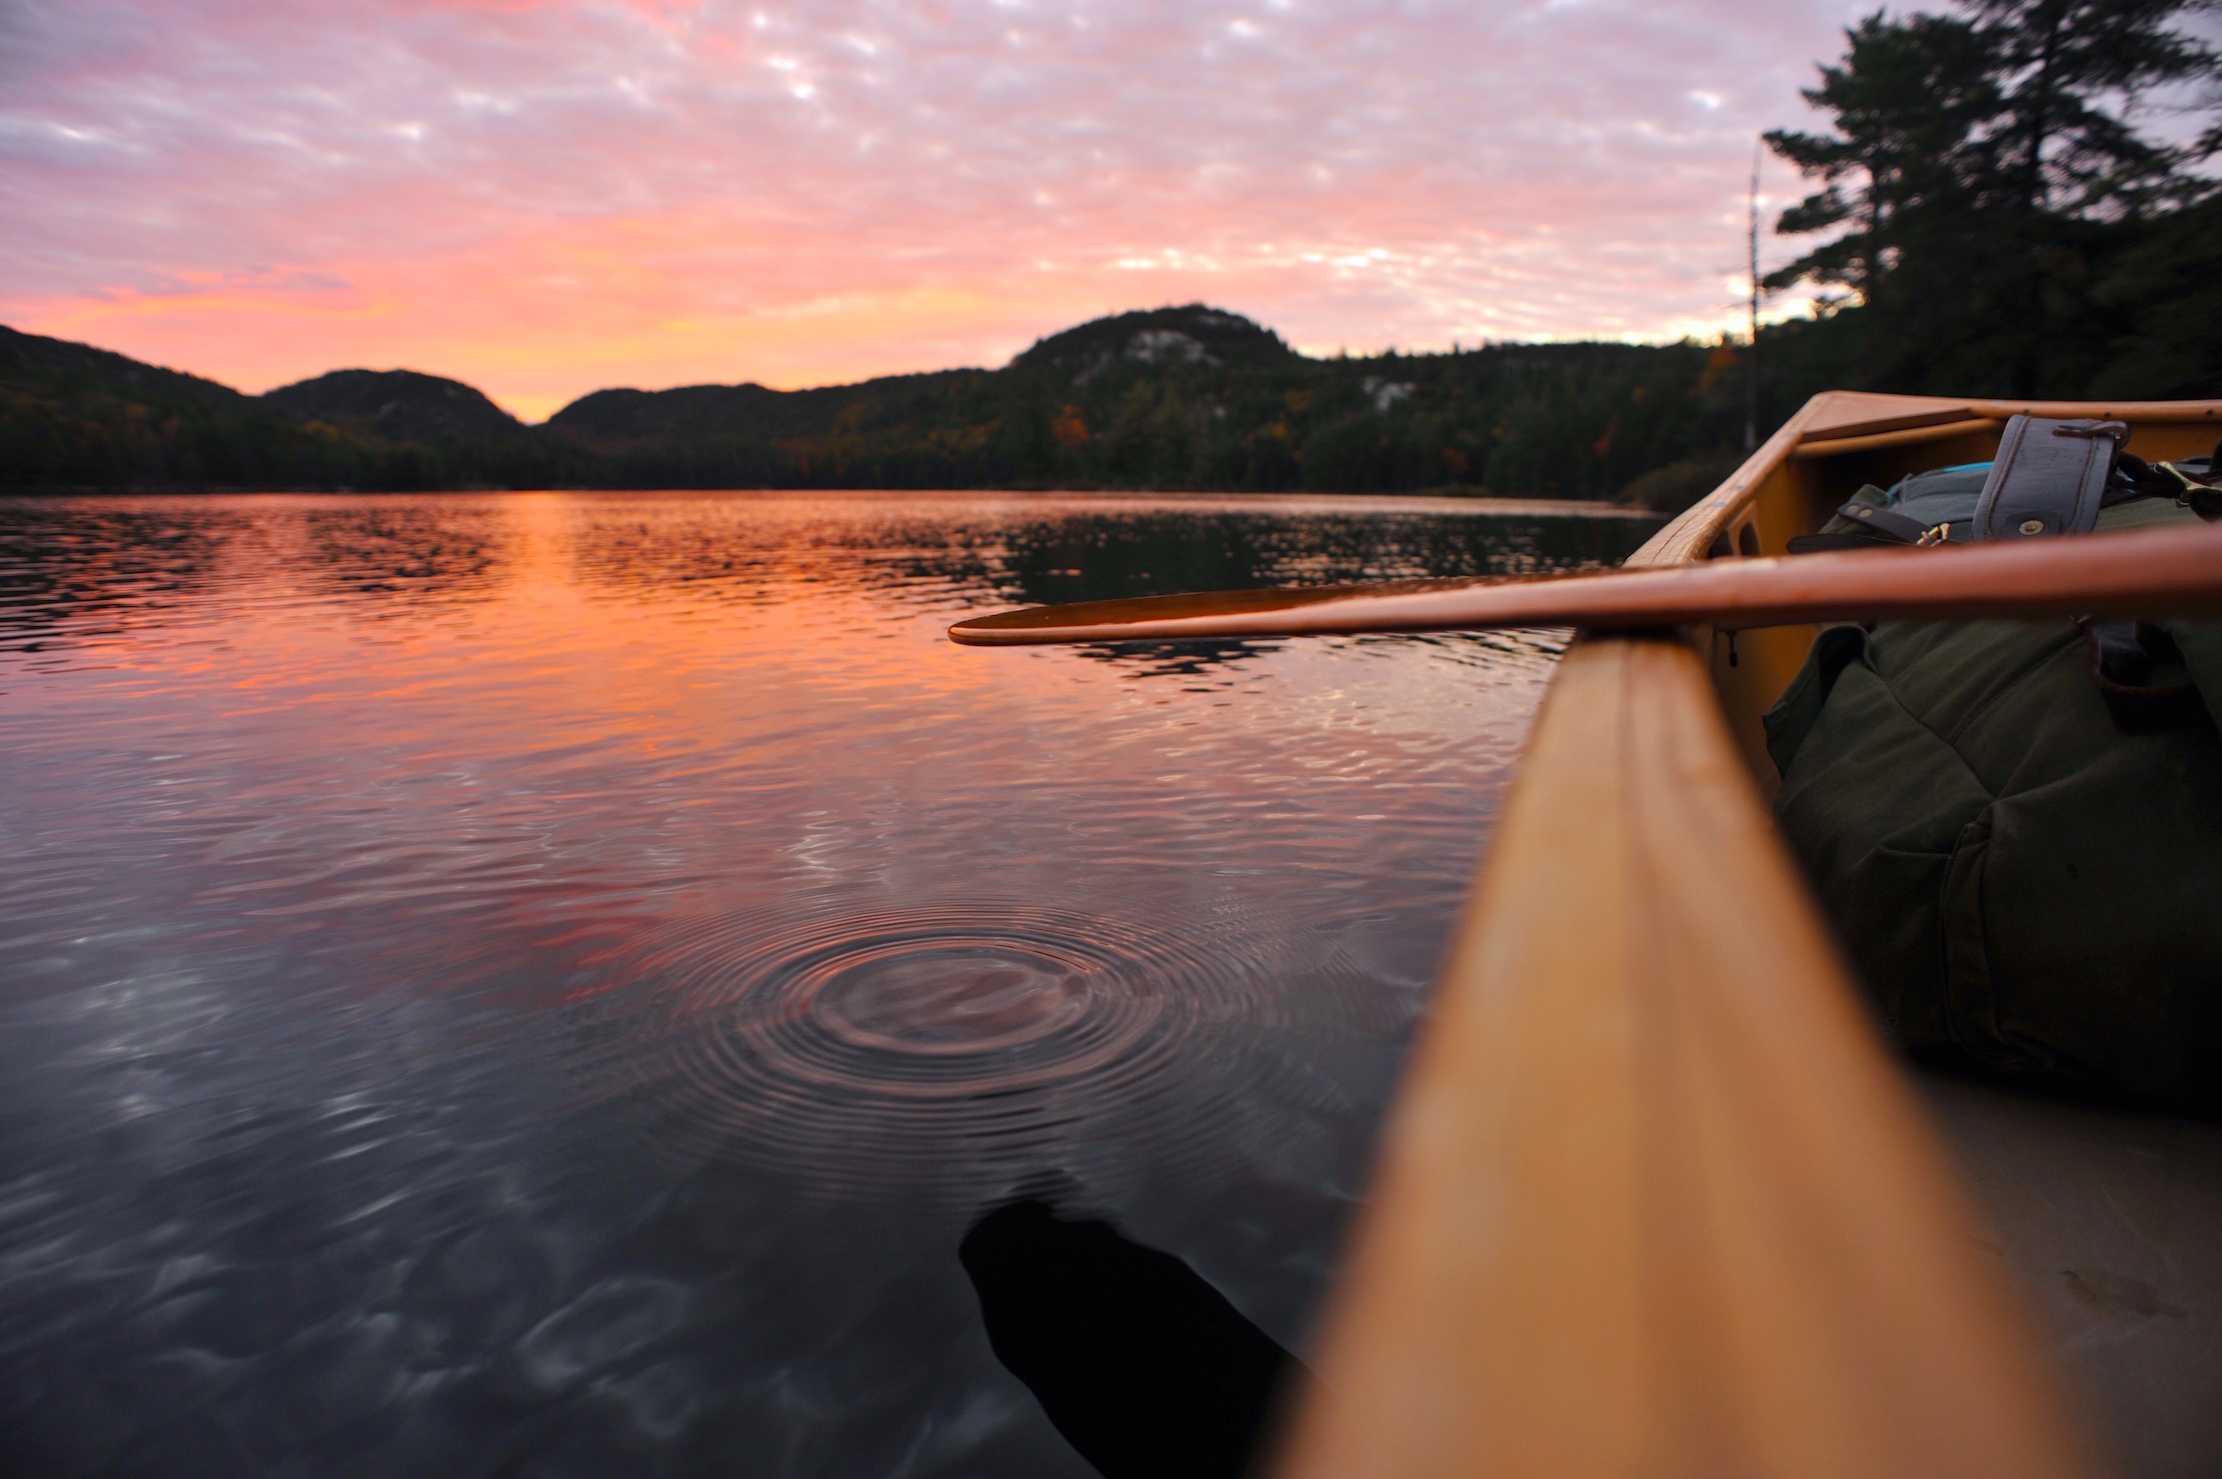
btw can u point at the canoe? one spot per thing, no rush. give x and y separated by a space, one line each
1656 1199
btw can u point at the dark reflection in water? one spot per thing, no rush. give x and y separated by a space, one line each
405 550
72 569
541 984
1046 548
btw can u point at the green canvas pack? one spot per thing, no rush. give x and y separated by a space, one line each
2022 856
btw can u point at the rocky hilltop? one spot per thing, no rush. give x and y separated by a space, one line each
1190 336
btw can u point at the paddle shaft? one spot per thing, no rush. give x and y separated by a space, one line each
2148 573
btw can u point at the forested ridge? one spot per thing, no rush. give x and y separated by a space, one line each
1188 397
2011 198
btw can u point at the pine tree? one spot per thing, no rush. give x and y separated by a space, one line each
1985 171
2073 74
1910 99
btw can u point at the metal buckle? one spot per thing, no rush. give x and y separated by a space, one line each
2191 485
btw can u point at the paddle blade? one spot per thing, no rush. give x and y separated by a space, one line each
2148 573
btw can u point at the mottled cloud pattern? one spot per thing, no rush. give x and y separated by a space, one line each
547 196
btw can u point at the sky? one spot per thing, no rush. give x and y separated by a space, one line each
548 197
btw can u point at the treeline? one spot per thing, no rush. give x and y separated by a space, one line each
2012 199
1171 398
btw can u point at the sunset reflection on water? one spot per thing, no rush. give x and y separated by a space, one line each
541 982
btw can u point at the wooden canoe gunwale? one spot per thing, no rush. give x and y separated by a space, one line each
1850 417
1654 1199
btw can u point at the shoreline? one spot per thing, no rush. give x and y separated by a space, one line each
1437 503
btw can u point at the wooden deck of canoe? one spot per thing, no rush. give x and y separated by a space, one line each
1656 1200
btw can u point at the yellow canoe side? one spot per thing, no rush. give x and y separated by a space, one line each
1655 1199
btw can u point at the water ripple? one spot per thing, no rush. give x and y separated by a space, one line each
940 1043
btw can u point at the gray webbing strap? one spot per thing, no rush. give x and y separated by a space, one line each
2049 477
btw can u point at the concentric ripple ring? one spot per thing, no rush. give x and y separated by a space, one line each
910 1043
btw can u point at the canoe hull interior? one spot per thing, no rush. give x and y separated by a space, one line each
2111 1222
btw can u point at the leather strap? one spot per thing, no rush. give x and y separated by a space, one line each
1891 526
2049 478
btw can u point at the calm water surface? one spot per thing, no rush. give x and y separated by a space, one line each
538 984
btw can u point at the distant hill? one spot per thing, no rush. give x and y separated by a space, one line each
684 411
72 416
1164 338
1185 397
697 411
1193 335
31 364
75 416
396 405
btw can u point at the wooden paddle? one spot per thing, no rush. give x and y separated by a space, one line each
2148 573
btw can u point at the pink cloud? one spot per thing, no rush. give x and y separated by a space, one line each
547 196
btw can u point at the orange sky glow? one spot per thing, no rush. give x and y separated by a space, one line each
548 197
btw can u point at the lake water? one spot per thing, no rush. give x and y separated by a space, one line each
537 984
